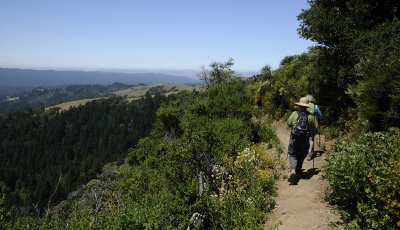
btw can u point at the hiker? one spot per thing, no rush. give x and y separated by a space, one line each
303 124
313 109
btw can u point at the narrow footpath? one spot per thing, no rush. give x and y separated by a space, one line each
301 206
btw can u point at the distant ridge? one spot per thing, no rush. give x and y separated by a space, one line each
14 80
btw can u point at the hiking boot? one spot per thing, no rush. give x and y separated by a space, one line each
292 178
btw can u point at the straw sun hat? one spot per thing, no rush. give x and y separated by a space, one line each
303 102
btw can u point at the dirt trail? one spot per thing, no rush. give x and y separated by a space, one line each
300 206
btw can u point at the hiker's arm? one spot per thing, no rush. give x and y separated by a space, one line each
291 122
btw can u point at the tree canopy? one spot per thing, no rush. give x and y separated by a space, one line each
357 43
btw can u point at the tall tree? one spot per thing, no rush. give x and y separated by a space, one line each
219 73
266 72
341 30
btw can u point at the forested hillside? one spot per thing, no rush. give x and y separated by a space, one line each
46 152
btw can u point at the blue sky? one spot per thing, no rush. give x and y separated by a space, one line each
148 34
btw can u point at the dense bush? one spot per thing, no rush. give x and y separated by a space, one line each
331 132
377 93
292 80
364 180
239 200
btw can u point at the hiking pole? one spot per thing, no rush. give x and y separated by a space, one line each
313 163
319 139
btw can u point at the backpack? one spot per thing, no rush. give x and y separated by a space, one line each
302 129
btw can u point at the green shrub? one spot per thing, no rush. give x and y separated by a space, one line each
244 189
364 179
331 132
293 79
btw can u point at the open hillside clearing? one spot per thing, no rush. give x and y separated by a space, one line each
132 93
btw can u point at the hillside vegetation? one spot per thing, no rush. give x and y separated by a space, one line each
199 166
202 165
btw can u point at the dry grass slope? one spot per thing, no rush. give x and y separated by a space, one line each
131 94
67 105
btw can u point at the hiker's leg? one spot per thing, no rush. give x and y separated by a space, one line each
293 150
292 154
302 153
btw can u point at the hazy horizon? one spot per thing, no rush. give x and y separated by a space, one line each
130 35
190 73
